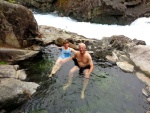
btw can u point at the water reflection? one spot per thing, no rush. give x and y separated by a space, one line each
110 90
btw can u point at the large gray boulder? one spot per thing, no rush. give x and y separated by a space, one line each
140 55
17 25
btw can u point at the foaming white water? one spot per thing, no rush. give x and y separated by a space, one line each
139 29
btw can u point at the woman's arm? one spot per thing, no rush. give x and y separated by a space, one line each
72 50
57 46
60 48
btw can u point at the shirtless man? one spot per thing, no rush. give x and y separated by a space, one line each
83 63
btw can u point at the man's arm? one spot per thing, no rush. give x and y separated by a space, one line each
91 64
68 59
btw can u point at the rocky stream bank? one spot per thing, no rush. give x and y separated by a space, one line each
23 38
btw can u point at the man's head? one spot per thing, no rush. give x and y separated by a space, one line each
82 48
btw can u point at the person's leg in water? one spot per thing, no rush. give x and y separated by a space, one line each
85 83
70 77
56 67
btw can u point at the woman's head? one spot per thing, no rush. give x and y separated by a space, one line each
66 43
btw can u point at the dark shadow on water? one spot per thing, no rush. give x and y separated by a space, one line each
110 90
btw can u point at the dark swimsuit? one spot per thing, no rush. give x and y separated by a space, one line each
81 68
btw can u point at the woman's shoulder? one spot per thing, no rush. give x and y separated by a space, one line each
73 50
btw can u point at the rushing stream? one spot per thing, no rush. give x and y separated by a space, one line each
110 90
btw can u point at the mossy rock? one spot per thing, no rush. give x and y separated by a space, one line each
11 1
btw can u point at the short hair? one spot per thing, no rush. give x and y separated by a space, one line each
66 42
83 45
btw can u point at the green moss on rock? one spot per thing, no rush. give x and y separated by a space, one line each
11 1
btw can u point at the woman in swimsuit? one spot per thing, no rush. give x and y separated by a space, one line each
65 53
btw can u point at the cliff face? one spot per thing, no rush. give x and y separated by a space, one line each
17 25
96 11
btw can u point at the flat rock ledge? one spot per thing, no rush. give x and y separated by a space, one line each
15 54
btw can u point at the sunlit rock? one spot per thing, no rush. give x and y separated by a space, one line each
112 58
143 78
148 99
125 58
7 71
125 66
140 56
21 74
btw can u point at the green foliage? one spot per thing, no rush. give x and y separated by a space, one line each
1 63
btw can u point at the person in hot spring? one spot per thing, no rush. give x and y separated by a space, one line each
84 63
65 53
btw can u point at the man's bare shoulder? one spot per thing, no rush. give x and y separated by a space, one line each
77 52
87 53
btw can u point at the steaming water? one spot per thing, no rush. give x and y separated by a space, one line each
138 29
